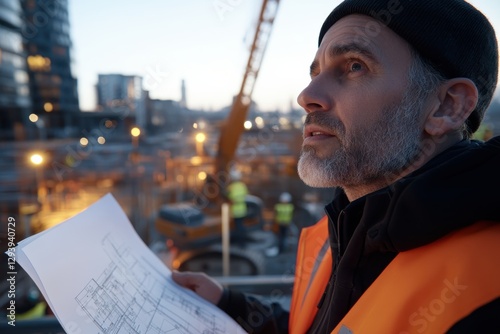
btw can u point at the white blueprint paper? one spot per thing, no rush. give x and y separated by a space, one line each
98 276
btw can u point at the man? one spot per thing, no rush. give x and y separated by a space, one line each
410 242
236 193
283 215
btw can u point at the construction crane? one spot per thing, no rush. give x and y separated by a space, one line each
194 232
233 127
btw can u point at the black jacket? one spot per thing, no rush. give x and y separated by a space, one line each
455 189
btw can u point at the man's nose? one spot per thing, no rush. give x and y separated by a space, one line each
314 97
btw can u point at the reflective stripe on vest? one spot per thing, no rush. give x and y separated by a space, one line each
424 290
312 272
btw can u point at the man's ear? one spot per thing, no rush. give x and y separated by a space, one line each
457 98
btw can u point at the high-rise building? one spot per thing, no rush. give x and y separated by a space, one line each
15 104
122 94
52 83
183 101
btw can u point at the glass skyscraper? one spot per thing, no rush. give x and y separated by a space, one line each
48 46
15 103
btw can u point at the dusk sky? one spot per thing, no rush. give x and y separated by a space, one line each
204 42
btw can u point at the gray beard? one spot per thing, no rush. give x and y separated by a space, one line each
366 155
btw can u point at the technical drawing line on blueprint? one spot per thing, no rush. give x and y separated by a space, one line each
130 296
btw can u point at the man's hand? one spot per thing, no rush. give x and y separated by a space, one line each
203 285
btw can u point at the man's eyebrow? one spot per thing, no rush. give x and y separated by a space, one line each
313 68
339 50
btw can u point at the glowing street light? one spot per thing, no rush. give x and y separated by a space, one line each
200 139
48 107
36 159
137 221
259 122
33 118
247 125
202 176
135 132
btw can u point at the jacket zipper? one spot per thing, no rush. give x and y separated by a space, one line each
339 234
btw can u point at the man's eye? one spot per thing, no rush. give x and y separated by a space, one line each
355 67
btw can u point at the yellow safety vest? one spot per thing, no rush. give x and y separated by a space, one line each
424 290
237 192
284 213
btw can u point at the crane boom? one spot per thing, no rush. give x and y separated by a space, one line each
173 220
234 125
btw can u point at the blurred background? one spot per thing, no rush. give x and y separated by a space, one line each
155 102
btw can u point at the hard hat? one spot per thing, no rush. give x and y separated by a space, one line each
235 174
285 197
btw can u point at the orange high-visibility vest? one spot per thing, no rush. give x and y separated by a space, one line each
424 290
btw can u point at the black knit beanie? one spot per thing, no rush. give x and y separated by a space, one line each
452 35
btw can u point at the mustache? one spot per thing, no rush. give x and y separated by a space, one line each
322 119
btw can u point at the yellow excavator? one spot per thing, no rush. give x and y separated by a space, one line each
193 231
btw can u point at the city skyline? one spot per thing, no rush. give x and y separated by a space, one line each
204 43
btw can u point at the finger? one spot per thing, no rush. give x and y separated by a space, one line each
178 277
200 283
186 279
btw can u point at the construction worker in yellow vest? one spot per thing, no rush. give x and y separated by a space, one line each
283 217
236 193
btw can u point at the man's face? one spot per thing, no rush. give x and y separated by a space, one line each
363 123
